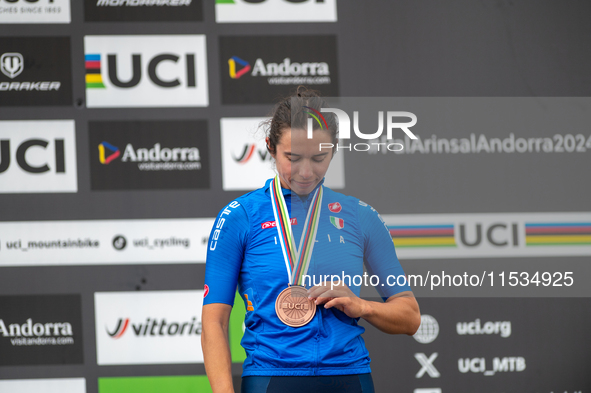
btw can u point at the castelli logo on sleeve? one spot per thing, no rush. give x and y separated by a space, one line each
335 207
273 224
206 290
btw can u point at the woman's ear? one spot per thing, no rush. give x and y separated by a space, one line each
269 147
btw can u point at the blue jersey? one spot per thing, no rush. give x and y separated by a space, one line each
244 251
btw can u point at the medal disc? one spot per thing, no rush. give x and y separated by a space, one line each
293 307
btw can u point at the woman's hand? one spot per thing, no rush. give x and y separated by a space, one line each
400 313
338 295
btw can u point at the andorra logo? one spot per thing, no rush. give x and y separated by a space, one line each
232 63
102 157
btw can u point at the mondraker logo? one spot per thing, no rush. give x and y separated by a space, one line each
12 64
232 64
155 327
103 158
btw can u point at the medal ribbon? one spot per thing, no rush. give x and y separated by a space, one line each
297 260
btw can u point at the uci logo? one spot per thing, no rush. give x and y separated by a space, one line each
289 1
12 64
496 234
153 70
23 159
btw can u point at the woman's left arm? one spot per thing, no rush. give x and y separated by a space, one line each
398 315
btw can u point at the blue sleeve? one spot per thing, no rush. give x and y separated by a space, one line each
379 254
225 252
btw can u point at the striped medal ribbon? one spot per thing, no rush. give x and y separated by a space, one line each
292 305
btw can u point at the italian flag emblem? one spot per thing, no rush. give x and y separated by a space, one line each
339 223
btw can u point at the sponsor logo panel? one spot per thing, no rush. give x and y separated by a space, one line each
159 327
62 385
143 10
146 71
490 235
38 156
258 69
34 11
36 330
149 155
35 71
105 242
246 163
249 11
170 384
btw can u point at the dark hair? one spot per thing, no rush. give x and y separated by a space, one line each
289 112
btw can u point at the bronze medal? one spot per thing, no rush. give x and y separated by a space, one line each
293 306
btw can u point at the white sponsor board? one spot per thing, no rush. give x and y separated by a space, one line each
104 242
484 235
58 385
244 11
146 71
246 164
34 11
158 327
41 156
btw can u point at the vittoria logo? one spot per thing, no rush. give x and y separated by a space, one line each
335 207
259 67
155 327
146 71
148 327
12 64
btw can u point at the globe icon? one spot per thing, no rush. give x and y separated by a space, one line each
428 330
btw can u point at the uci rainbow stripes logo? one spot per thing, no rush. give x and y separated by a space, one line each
104 159
94 79
232 63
